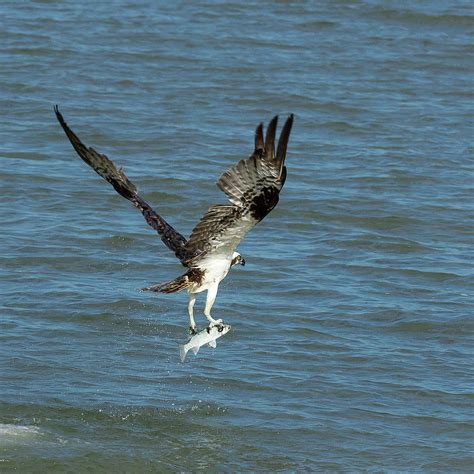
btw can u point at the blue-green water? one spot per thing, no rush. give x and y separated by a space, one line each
352 343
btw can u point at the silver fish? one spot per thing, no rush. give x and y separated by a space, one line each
206 336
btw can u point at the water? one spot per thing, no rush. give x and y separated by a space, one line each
352 322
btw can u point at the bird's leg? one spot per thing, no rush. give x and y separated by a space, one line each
211 297
192 323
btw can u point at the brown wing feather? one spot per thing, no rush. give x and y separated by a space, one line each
212 231
257 181
117 178
253 187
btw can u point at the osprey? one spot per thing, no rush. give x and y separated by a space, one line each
252 186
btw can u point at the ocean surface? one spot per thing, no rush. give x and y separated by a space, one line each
352 323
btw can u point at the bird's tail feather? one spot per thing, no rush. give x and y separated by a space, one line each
194 276
178 284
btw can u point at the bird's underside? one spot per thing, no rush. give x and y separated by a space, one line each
252 186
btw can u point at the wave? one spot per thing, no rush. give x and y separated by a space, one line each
17 434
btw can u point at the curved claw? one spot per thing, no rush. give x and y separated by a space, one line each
192 330
215 322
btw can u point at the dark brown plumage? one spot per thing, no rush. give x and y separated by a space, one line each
117 178
252 185
193 277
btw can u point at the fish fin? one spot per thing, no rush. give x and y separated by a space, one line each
182 352
195 349
213 343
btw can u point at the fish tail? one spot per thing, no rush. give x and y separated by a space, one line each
182 352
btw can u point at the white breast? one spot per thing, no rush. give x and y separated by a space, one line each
216 270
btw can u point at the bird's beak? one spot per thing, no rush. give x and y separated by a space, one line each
242 262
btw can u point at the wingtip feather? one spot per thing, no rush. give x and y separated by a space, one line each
270 139
259 145
58 113
283 141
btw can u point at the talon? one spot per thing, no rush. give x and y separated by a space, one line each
215 322
192 330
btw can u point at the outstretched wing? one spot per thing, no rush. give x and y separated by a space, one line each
253 187
117 178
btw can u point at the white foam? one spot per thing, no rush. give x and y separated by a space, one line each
11 434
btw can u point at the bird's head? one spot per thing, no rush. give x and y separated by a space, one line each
237 259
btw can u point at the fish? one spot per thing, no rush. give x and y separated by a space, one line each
206 336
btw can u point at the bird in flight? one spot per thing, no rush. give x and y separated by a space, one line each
252 186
